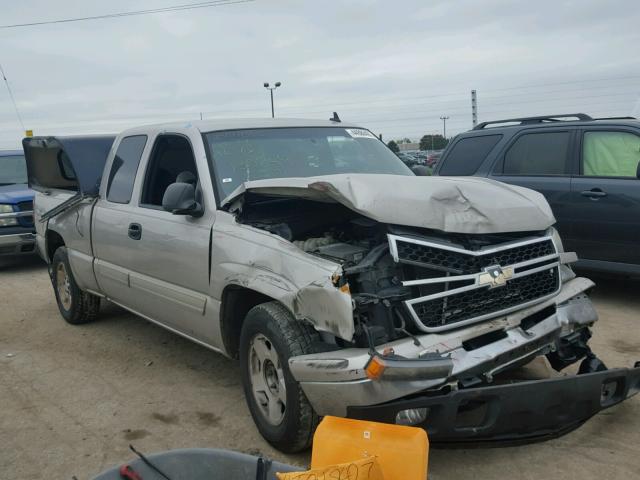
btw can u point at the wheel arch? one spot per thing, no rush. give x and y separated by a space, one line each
236 303
53 241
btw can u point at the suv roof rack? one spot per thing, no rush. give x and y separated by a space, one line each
583 117
616 118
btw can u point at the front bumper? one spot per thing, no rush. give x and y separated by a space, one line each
332 381
513 413
17 244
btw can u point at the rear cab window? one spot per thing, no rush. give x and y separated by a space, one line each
124 167
610 154
467 155
539 153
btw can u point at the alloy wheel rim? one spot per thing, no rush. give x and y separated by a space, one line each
63 286
267 379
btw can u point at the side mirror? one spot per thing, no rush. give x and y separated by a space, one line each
180 199
421 171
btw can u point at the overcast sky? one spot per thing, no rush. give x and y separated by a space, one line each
394 66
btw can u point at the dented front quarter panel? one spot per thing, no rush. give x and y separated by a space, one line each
327 307
261 261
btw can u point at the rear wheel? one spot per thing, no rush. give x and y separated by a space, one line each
270 336
75 306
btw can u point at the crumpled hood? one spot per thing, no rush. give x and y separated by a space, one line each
449 204
15 193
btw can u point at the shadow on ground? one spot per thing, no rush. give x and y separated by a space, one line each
25 263
615 289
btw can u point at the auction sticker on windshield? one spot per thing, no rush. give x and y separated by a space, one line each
360 133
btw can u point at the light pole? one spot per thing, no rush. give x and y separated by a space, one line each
271 89
444 126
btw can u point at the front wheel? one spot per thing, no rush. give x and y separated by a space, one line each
75 306
270 336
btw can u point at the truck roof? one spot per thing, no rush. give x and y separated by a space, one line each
245 123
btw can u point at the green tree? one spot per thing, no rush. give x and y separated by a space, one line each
393 146
433 142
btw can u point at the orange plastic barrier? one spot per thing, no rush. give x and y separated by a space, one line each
402 452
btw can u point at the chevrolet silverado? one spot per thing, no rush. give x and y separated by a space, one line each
344 284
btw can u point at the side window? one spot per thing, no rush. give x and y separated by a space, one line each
539 154
467 155
610 154
124 168
171 161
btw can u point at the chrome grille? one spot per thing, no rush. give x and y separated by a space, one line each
479 302
526 272
460 262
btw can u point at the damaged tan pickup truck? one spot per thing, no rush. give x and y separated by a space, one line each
344 283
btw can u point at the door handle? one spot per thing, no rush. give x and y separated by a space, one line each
135 231
594 193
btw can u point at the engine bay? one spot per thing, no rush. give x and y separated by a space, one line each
358 244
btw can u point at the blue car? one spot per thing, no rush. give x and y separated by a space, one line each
17 233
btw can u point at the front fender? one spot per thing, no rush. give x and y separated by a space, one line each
320 302
268 264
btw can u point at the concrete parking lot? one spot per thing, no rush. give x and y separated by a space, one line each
73 398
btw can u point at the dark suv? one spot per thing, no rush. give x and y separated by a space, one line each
587 168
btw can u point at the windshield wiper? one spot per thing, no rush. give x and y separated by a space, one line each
10 183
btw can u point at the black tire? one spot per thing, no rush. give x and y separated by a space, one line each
76 307
290 338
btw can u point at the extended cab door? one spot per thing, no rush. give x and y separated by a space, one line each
111 249
149 260
605 196
542 160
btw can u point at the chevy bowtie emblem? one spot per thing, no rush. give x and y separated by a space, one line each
495 276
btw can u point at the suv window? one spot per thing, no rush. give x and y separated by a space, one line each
610 154
467 155
538 154
171 161
124 168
